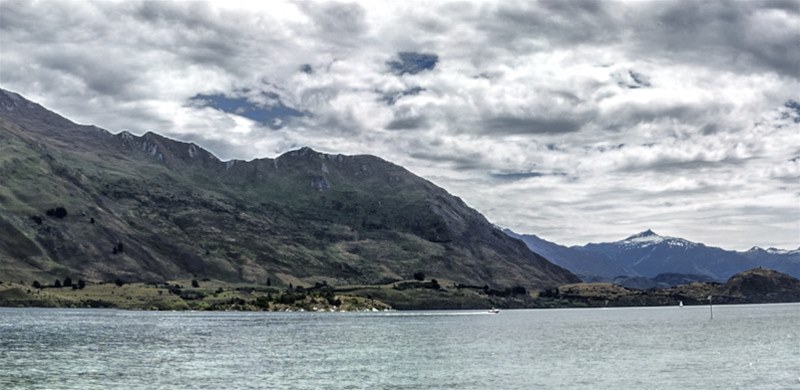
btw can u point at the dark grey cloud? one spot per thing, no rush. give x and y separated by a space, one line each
411 123
671 164
505 125
340 24
412 63
516 176
550 23
626 117
392 97
435 151
736 35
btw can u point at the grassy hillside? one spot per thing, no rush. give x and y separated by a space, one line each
80 202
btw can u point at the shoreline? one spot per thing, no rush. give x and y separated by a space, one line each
249 298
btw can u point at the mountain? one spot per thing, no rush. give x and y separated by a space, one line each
786 261
762 285
80 201
758 285
649 254
589 266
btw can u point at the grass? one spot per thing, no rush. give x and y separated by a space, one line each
180 295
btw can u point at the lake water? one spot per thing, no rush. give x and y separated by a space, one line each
747 347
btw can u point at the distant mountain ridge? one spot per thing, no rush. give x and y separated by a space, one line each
647 260
590 266
149 208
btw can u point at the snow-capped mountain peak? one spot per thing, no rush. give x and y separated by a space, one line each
646 237
773 251
649 237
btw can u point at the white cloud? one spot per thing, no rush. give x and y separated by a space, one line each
577 121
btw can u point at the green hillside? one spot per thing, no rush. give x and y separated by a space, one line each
82 202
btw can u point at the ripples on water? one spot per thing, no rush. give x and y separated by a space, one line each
748 347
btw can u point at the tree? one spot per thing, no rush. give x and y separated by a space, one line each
57 284
81 284
269 282
67 282
195 284
435 284
36 284
419 276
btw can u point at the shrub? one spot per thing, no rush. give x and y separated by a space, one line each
81 284
58 212
119 282
518 290
435 284
419 276
195 284
262 302
36 284
67 282
57 284
550 293
37 219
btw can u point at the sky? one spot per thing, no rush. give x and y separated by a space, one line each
577 121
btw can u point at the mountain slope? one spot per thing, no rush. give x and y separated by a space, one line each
649 255
589 266
150 208
762 285
786 261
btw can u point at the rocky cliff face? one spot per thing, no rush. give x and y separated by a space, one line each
151 208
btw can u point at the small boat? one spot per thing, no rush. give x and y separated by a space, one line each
494 311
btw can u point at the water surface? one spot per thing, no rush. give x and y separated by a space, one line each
747 346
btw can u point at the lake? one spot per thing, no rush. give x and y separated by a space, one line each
743 346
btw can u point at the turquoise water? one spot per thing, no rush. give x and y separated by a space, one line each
747 347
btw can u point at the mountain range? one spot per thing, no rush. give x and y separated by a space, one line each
82 202
646 260
79 201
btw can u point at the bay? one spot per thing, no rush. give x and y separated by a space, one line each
743 346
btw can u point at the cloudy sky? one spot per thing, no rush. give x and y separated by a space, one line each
577 121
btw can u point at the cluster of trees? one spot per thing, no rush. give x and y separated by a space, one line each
58 284
507 292
550 293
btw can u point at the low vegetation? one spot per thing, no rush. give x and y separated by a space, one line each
754 286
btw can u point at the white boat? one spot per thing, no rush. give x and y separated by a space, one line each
494 311
680 303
